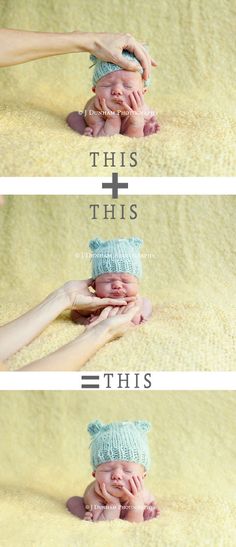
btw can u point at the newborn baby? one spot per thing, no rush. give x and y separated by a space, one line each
118 105
120 459
116 269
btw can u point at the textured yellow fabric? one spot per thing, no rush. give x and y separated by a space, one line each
189 270
193 89
45 459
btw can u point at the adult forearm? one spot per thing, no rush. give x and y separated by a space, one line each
75 354
25 328
20 46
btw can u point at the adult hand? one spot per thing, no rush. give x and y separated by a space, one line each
81 298
116 320
109 47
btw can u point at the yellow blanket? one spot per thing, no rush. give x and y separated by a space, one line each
45 459
193 89
188 273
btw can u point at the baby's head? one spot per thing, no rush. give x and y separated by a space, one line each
116 267
113 83
118 451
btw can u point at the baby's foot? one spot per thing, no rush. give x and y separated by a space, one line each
88 516
151 512
76 121
88 132
151 127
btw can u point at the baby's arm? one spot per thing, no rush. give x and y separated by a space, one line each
145 311
99 504
102 121
79 318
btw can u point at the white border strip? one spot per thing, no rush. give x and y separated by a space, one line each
140 186
161 381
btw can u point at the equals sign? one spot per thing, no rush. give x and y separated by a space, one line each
88 385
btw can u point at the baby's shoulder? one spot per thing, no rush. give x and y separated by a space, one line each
89 105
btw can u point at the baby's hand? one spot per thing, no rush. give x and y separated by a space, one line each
136 111
104 493
106 112
134 496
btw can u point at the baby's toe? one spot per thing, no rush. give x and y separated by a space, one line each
88 515
88 132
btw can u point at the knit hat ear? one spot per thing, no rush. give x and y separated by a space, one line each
143 425
95 243
135 241
95 427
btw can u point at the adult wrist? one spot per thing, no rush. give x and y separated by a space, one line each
83 41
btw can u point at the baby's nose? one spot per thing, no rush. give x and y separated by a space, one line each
116 90
117 474
117 284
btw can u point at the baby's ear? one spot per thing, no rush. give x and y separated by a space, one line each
94 89
145 90
95 243
93 474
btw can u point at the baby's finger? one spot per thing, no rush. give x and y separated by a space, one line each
139 98
126 106
125 490
137 482
133 101
133 486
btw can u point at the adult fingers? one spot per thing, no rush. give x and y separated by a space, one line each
104 302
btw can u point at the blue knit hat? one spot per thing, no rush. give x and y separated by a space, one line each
102 68
116 255
124 441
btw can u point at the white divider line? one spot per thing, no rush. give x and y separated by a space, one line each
142 186
128 381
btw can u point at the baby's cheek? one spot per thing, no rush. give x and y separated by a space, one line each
101 292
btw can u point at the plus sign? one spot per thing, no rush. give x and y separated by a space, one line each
115 185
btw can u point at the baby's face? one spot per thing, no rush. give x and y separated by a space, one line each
117 474
118 85
116 285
